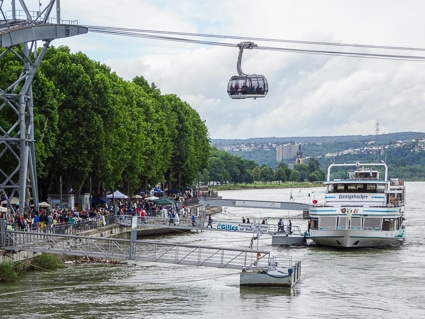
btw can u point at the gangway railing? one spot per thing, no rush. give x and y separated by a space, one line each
140 250
201 224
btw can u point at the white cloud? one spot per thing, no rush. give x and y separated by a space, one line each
309 94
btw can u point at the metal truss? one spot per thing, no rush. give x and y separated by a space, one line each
20 31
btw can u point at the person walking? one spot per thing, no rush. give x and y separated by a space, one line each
209 221
281 225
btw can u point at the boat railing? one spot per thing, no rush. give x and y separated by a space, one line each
348 228
293 230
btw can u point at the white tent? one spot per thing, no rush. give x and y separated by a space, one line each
117 194
13 201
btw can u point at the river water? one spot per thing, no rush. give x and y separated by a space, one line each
366 283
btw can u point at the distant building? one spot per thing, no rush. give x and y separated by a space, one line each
287 151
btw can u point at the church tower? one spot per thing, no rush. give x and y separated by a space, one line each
299 159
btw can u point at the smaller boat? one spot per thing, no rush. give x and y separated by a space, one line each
294 238
272 275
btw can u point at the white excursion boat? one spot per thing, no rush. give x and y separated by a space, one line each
361 208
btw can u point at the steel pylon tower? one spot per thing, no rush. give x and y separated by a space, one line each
20 31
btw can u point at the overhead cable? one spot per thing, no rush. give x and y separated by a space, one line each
183 37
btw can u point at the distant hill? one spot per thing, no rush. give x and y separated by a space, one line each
406 149
383 138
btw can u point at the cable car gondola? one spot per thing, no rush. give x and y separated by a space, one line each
243 85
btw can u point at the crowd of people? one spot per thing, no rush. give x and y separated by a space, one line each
53 219
61 219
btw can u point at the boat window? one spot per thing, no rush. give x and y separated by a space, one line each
371 187
352 188
372 223
396 199
328 222
380 188
388 224
314 223
342 223
356 222
338 188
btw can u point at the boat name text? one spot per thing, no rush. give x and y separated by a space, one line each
353 196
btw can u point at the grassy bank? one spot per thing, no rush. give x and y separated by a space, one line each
13 271
265 186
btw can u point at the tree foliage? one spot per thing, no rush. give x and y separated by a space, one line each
91 125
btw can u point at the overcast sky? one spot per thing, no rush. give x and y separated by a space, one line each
309 95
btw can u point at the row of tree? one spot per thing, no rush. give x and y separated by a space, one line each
227 168
97 132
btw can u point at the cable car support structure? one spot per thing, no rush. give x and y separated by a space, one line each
20 31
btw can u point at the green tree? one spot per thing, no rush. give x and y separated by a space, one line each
266 173
256 173
280 175
295 176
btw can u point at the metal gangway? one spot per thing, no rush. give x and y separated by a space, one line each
254 204
138 250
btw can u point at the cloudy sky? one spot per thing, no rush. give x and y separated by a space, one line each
309 94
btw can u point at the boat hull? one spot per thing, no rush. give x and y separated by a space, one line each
288 240
356 238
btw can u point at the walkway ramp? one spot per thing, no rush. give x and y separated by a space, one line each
139 250
253 204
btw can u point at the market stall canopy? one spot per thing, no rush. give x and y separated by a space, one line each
117 194
152 198
13 201
172 191
157 190
99 201
164 201
44 205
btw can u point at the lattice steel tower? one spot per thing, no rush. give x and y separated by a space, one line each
20 31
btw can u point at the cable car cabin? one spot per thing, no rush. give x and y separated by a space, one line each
247 86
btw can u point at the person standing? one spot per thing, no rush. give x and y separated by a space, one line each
281 225
143 216
176 218
171 217
193 219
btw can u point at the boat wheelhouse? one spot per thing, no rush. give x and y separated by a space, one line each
362 208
